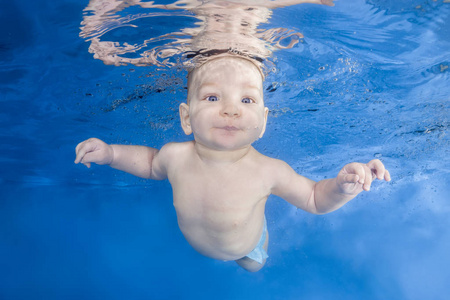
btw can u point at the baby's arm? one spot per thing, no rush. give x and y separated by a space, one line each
329 194
140 161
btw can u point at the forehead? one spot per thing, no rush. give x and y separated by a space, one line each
226 69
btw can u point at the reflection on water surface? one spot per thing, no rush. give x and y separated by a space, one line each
134 32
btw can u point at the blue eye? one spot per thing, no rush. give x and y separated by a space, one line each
247 100
212 98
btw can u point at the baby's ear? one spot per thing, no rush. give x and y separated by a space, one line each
185 118
266 113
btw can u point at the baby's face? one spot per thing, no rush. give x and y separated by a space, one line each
226 108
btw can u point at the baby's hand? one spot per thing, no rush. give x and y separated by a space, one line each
355 177
94 150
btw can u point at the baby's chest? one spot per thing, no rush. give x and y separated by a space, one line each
220 191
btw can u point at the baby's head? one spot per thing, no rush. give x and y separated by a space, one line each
225 105
215 66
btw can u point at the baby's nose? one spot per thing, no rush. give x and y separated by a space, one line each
230 110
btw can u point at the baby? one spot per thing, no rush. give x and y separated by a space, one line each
220 182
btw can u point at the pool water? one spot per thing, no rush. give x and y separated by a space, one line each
370 79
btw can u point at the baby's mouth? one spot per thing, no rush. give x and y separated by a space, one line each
230 128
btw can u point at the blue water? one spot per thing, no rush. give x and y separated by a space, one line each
370 79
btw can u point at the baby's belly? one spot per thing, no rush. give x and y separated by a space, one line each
221 225
222 245
221 237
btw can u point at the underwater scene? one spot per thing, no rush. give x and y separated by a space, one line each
344 81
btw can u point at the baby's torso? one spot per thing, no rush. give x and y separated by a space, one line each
220 209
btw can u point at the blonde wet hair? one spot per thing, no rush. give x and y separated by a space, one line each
207 60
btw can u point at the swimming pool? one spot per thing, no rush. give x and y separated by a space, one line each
370 79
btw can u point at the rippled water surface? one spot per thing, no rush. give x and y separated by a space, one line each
361 80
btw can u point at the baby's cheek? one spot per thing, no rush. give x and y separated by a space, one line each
253 125
255 129
197 122
194 128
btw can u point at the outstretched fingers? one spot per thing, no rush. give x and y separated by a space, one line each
368 178
80 151
387 176
359 173
378 170
359 176
364 175
86 152
355 174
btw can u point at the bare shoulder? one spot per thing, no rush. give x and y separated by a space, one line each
268 162
175 151
169 158
174 147
272 167
284 180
